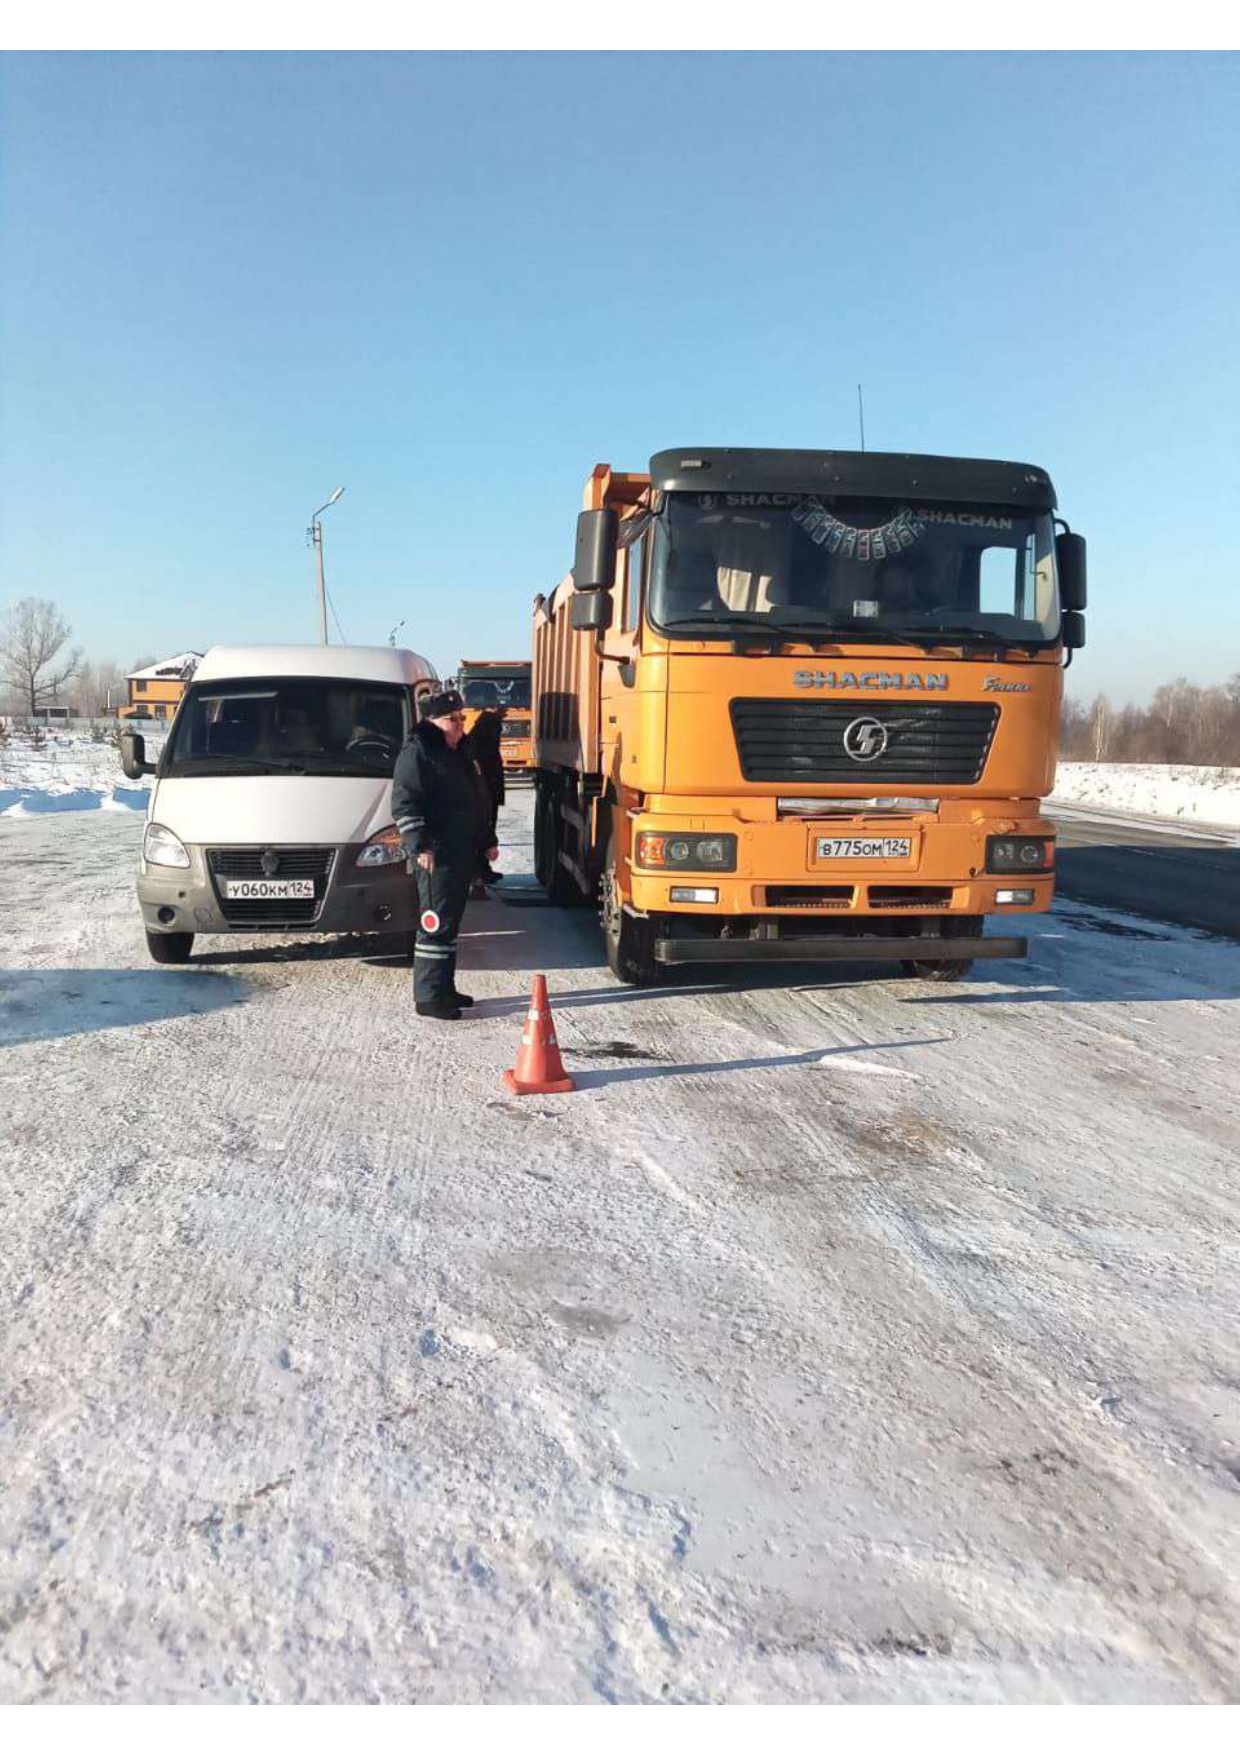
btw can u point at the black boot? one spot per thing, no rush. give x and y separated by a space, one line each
447 1009
462 999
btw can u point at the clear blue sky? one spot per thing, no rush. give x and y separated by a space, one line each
453 283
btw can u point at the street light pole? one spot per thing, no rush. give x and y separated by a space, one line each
315 534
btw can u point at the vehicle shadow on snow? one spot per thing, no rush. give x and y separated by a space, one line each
41 1005
587 1081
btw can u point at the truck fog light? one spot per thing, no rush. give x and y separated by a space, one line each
1014 898
684 893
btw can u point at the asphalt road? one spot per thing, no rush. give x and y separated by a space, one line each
1187 876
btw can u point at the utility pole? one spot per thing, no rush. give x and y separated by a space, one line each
315 533
861 415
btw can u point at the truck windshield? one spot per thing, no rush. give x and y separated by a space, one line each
496 691
867 568
285 724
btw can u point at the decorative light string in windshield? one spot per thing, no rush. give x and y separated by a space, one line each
827 530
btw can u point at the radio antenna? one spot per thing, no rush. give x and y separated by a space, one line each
861 416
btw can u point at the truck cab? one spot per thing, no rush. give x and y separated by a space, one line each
798 705
271 809
500 685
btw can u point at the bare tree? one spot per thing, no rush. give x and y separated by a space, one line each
33 662
1101 720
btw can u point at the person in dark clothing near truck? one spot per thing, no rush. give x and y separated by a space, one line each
482 743
441 811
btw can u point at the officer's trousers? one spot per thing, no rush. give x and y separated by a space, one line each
442 895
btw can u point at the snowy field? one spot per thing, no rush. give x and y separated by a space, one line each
69 771
842 1338
1201 795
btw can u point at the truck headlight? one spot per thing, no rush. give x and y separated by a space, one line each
385 848
161 847
1019 853
686 852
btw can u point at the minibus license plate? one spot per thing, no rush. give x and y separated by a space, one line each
864 847
268 889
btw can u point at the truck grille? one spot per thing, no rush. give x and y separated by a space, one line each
942 742
516 728
295 862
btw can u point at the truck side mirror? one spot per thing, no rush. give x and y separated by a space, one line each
133 755
594 564
1070 565
1072 630
591 610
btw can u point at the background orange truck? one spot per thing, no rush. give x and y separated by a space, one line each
804 705
502 683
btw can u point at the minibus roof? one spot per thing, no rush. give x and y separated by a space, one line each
389 664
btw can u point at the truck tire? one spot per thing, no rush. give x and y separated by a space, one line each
629 940
952 968
559 884
170 947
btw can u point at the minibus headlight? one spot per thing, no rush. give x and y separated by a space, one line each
161 847
686 852
385 848
1019 853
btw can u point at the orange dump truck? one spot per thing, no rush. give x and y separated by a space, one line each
500 683
804 705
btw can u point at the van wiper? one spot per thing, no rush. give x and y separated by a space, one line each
276 764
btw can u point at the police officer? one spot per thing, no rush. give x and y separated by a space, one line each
440 807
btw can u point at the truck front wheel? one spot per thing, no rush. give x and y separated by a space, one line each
170 947
629 939
952 968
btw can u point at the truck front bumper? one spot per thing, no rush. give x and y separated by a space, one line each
778 872
852 948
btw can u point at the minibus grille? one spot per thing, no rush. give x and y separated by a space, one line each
295 862
944 743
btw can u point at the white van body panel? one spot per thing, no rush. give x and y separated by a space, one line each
305 810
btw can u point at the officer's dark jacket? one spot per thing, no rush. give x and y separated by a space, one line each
438 798
483 745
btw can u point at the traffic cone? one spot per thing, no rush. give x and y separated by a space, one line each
539 1067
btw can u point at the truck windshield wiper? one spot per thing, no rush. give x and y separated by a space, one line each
737 618
878 636
972 636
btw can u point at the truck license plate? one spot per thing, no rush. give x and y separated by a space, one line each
864 847
268 889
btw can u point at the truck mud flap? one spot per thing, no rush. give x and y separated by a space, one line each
834 950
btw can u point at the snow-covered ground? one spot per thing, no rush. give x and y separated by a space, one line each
842 1337
69 771
1203 795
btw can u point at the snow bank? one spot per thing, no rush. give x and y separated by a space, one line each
67 770
1204 795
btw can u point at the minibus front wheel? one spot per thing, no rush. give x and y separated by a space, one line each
170 947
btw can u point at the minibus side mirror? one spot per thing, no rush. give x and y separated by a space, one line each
133 755
594 564
1070 565
591 610
1072 630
